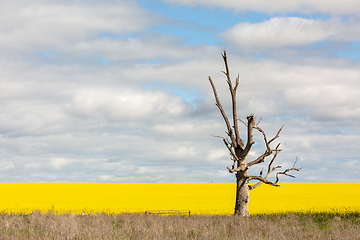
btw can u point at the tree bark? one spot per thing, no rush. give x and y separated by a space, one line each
242 194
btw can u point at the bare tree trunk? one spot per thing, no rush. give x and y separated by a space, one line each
242 194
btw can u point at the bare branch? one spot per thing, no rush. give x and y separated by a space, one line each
218 104
234 170
265 178
266 142
231 151
269 171
227 73
251 187
277 135
237 82
262 157
262 180
268 150
243 122
261 172
258 122
232 154
272 160
233 100
288 170
295 162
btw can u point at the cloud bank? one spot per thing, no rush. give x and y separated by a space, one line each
99 93
273 6
291 32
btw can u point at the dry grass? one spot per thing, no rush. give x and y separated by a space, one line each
135 226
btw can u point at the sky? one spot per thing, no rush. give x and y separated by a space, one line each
118 91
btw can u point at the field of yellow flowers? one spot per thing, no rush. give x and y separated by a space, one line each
199 198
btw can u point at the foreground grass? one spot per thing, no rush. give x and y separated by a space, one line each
135 226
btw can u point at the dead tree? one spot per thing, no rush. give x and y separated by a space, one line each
239 151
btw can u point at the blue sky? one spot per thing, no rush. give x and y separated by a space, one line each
118 91
198 25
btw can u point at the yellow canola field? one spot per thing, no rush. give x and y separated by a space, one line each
199 198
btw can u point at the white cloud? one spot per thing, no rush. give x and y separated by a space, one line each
326 102
273 6
216 154
125 105
6 166
59 163
50 25
184 129
290 32
143 48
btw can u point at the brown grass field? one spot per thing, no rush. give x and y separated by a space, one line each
136 226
